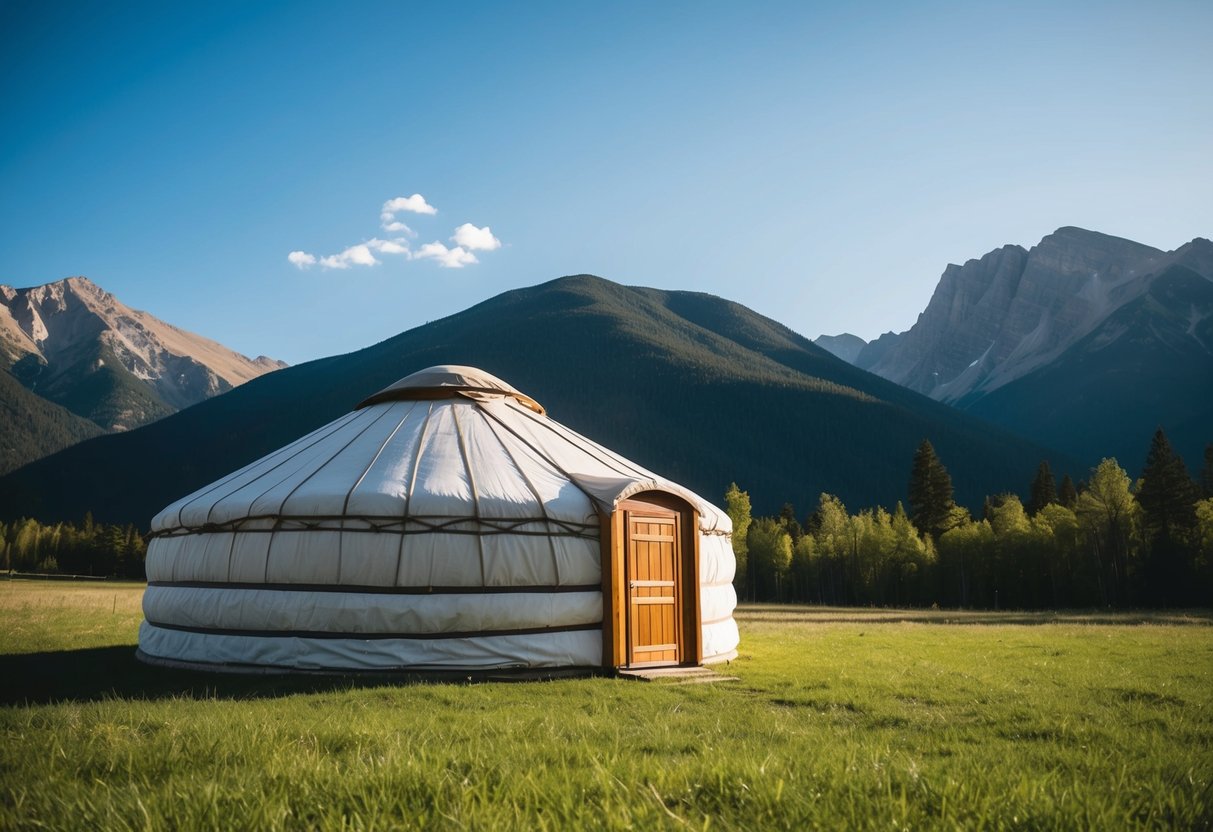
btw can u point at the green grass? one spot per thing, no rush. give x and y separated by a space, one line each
841 718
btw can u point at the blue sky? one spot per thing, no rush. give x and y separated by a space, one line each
819 163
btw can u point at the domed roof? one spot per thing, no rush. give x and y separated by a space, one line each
446 443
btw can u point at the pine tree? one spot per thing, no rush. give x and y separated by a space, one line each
931 502
1167 493
1067 495
1168 498
1044 489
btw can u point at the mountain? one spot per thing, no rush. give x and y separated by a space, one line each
1149 363
698 388
876 350
995 319
72 344
1085 342
846 346
31 427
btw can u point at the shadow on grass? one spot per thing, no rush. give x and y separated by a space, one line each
92 674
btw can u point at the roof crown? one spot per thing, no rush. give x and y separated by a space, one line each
448 381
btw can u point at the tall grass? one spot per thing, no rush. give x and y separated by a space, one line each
840 719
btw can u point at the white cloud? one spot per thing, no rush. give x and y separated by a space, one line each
397 246
359 255
467 238
302 259
448 258
415 204
475 239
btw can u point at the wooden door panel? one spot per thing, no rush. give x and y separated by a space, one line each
654 603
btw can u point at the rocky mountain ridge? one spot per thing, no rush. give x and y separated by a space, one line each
845 346
60 337
998 324
76 362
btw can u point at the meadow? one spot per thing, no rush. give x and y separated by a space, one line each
840 718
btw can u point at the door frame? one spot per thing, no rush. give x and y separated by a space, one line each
615 596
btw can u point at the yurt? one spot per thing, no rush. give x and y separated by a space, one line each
445 523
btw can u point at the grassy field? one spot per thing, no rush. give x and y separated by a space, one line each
840 719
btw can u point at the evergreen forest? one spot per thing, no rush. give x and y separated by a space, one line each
1103 542
87 548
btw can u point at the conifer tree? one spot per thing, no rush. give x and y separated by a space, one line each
1167 493
1044 489
1067 495
787 518
1168 498
931 502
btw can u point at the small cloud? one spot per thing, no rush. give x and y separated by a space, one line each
467 239
302 259
397 246
359 255
448 258
415 204
475 239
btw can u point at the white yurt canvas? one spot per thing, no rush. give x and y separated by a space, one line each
446 522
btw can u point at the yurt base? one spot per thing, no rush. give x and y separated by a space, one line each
680 675
413 674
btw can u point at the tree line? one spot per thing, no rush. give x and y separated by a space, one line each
85 549
1103 542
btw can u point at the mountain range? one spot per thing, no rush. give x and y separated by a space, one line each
1085 342
1072 350
699 389
76 362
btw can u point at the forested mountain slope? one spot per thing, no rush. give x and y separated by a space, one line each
70 345
697 388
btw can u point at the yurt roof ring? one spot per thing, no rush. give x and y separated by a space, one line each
449 381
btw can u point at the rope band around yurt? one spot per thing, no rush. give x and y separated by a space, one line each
550 527
325 634
363 589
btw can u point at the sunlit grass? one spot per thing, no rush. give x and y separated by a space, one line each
841 718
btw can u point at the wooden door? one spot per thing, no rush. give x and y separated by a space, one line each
653 550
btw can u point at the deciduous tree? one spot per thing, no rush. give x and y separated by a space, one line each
737 506
1206 473
1109 517
771 555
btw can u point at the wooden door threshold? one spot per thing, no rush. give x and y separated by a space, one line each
675 675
